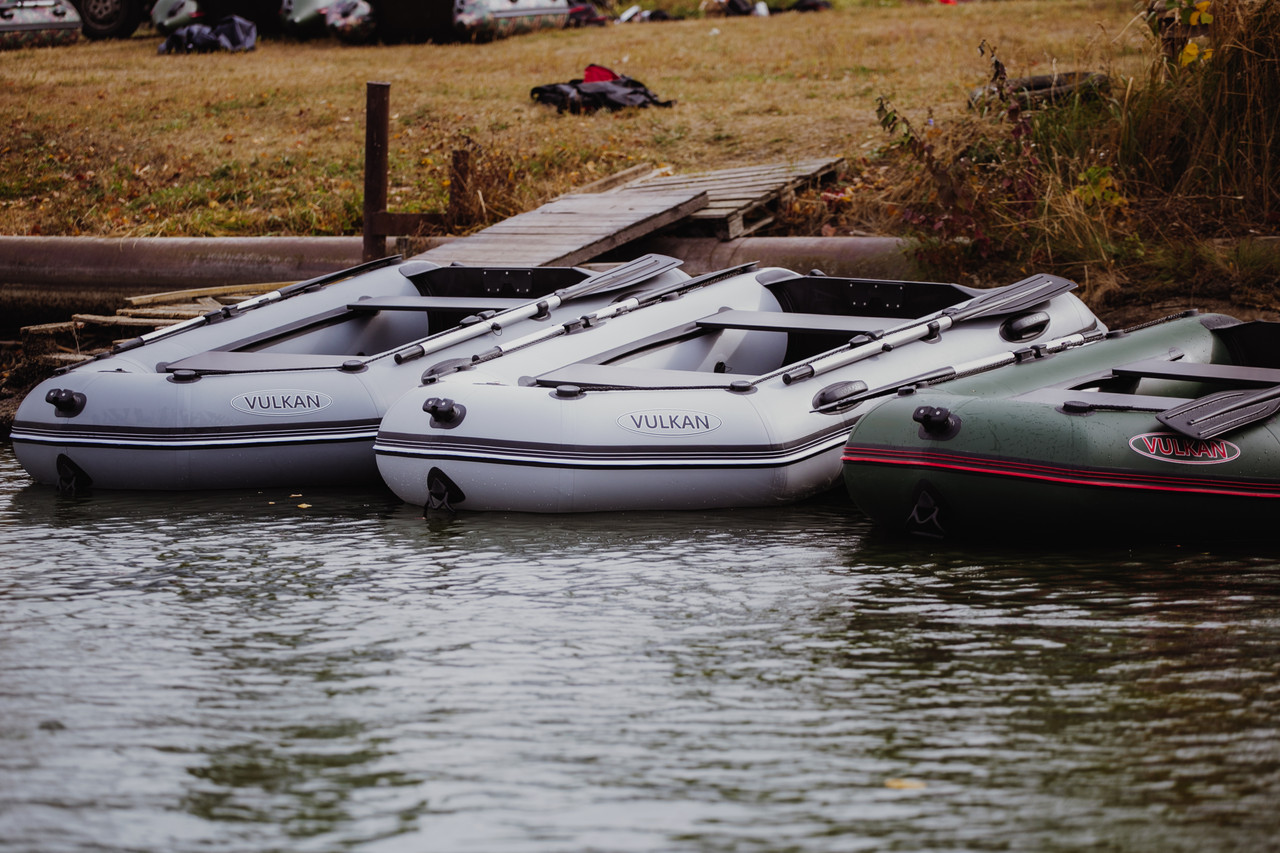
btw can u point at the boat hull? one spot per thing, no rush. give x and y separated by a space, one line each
199 410
236 431
651 430
531 449
1044 447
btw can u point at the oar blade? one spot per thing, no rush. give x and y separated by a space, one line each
1215 414
632 272
1013 298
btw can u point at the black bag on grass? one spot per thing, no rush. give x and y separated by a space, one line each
600 88
232 33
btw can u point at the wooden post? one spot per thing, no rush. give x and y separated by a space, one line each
460 206
377 117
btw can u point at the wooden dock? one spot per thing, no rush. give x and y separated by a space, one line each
740 201
570 230
575 228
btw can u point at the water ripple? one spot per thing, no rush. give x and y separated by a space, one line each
331 671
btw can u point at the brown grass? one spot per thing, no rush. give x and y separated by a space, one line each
109 138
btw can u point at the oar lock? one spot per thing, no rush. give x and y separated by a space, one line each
1024 327
445 413
226 312
586 321
836 392
472 319
444 368
936 423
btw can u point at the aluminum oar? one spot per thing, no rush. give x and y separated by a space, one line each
1009 299
628 274
968 368
617 309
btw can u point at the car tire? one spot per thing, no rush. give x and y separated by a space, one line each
106 19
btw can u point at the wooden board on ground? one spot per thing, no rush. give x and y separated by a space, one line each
122 320
59 344
570 230
220 290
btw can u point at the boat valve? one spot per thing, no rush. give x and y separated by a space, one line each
445 414
936 422
66 403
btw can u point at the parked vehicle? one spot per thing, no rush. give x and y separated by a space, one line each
29 23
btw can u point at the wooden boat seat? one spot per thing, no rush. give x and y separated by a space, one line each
1235 374
436 303
257 362
788 321
586 375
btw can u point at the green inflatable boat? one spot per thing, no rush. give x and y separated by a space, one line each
1159 432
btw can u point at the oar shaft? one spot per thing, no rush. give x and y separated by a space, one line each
886 343
585 321
968 368
616 309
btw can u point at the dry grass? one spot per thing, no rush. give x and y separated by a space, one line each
109 138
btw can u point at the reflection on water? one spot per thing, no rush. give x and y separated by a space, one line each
328 671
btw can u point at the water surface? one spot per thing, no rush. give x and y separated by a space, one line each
260 671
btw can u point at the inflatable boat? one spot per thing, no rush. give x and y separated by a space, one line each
1164 431
288 388
726 408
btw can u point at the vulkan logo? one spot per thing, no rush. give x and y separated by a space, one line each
1171 447
669 422
281 402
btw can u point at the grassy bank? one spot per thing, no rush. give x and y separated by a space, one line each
111 139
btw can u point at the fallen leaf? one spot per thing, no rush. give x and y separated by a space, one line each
904 784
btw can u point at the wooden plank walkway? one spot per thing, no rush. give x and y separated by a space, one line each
571 230
578 227
741 200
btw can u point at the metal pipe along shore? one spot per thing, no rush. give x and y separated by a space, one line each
153 264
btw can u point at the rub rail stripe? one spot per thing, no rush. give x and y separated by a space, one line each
1075 476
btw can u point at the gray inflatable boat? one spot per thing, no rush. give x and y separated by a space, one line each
289 388
728 408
